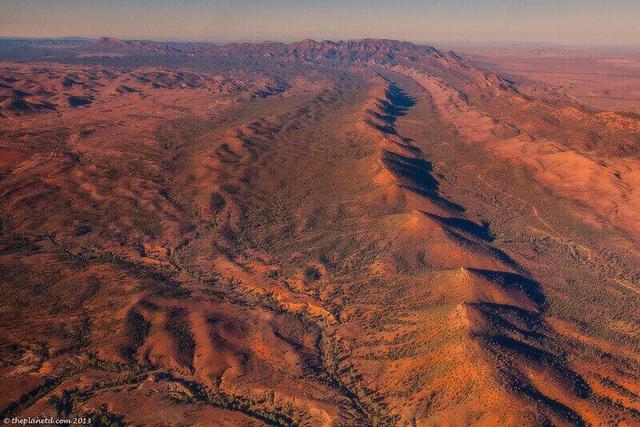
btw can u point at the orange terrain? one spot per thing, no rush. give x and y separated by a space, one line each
316 233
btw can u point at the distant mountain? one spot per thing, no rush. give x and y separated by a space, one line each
366 51
43 42
359 51
111 44
378 51
369 52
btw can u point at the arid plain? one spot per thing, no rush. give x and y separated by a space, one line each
318 233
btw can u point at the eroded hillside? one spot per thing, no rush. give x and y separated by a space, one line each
320 233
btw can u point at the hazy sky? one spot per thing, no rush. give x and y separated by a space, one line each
584 22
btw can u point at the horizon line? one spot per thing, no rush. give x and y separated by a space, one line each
445 42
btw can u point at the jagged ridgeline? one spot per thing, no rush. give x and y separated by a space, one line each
317 233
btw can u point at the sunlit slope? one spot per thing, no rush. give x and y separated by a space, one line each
354 249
